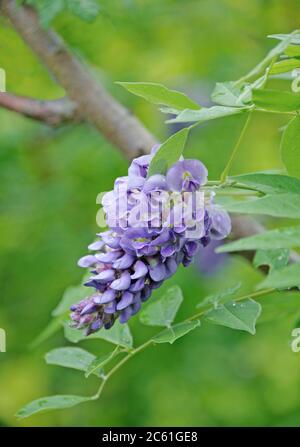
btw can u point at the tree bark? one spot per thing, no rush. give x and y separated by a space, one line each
53 113
98 107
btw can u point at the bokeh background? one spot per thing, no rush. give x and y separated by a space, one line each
49 183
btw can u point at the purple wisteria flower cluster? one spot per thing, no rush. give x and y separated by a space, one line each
154 224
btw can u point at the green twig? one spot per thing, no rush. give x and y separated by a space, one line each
150 342
235 150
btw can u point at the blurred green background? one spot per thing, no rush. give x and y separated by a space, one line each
49 183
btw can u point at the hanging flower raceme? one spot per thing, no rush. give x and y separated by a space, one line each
154 224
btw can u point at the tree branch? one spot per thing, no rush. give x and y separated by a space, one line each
98 107
54 112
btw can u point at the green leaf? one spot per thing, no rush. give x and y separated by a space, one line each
159 94
119 334
216 298
275 100
292 50
241 316
163 311
100 362
285 278
206 114
270 183
293 38
286 40
71 295
168 153
70 357
284 66
280 205
174 332
85 9
50 403
290 147
275 259
269 240
226 94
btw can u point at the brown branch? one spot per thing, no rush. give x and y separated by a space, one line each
98 107
54 112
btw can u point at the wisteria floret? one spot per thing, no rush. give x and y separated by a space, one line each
154 224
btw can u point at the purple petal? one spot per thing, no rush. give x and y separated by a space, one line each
125 315
86 319
156 284
124 262
122 283
108 296
138 285
191 247
140 269
126 244
146 293
105 276
96 325
168 250
74 307
156 182
87 261
75 316
162 238
109 257
147 251
205 241
171 265
137 233
186 175
108 239
220 223
89 309
110 308
136 297
96 284
109 324
158 273
97 245
139 166
125 301
135 307
135 181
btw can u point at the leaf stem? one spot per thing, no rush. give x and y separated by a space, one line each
118 365
238 185
258 109
230 184
235 149
100 389
128 356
